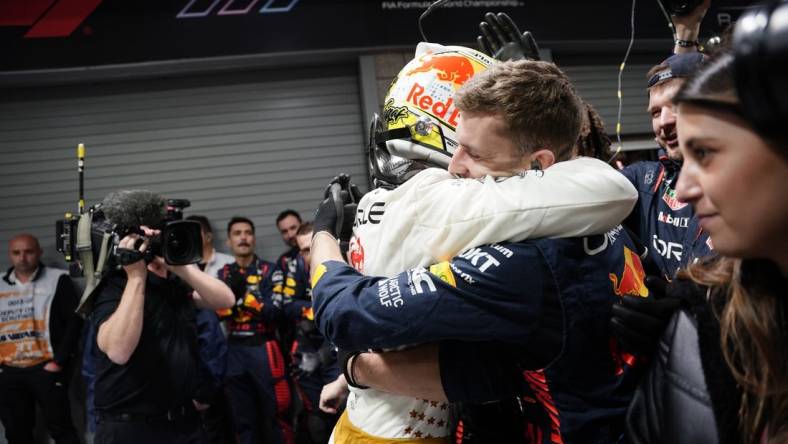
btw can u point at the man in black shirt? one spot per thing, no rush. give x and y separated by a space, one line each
147 344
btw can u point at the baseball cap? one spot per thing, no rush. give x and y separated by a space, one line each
679 66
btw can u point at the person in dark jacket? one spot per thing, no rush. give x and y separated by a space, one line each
724 358
256 382
660 220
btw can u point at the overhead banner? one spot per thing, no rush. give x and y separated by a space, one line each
43 34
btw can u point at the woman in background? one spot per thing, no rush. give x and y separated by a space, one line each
736 180
721 374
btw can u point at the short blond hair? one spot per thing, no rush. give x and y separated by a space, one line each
536 99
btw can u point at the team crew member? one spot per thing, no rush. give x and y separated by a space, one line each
660 219
314 360
288 276
147 342
38 335
212 260
478 295
256 383
723 356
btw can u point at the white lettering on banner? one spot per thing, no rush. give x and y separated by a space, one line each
475 254
421 4
389 293
668 249
665 218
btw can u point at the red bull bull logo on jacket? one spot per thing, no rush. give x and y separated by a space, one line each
632 281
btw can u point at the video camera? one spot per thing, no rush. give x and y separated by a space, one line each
180 241
89 239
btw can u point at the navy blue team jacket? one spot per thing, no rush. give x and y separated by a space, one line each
660 220
551 299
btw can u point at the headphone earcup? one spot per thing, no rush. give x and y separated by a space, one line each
760 43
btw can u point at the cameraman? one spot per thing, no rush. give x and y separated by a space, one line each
147 341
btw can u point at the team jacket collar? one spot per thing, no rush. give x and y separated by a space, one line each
10 278
669 164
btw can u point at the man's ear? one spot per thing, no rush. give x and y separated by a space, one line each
542 159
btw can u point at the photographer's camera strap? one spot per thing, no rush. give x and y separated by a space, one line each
85 252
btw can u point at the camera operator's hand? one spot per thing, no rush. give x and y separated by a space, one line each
687 27
502 39
639 322
131 253
336 213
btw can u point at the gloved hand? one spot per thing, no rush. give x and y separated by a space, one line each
337 212
502 40
638 322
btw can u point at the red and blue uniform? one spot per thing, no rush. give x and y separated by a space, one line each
256 381
313 359
666 225
291 284
544 304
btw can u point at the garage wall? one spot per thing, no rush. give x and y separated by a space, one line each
598 86
248 144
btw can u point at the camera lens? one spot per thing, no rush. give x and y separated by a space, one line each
176 246
182 242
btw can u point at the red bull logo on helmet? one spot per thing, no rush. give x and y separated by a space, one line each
632 281
437 108
450 68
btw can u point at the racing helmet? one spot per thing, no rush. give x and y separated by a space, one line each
417 127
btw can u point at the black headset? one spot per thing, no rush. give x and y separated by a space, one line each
760 44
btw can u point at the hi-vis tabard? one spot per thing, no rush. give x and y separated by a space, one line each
24 318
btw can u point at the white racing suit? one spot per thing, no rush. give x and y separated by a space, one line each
435 216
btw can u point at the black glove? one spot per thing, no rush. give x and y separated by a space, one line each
337 212
638 322
502 40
